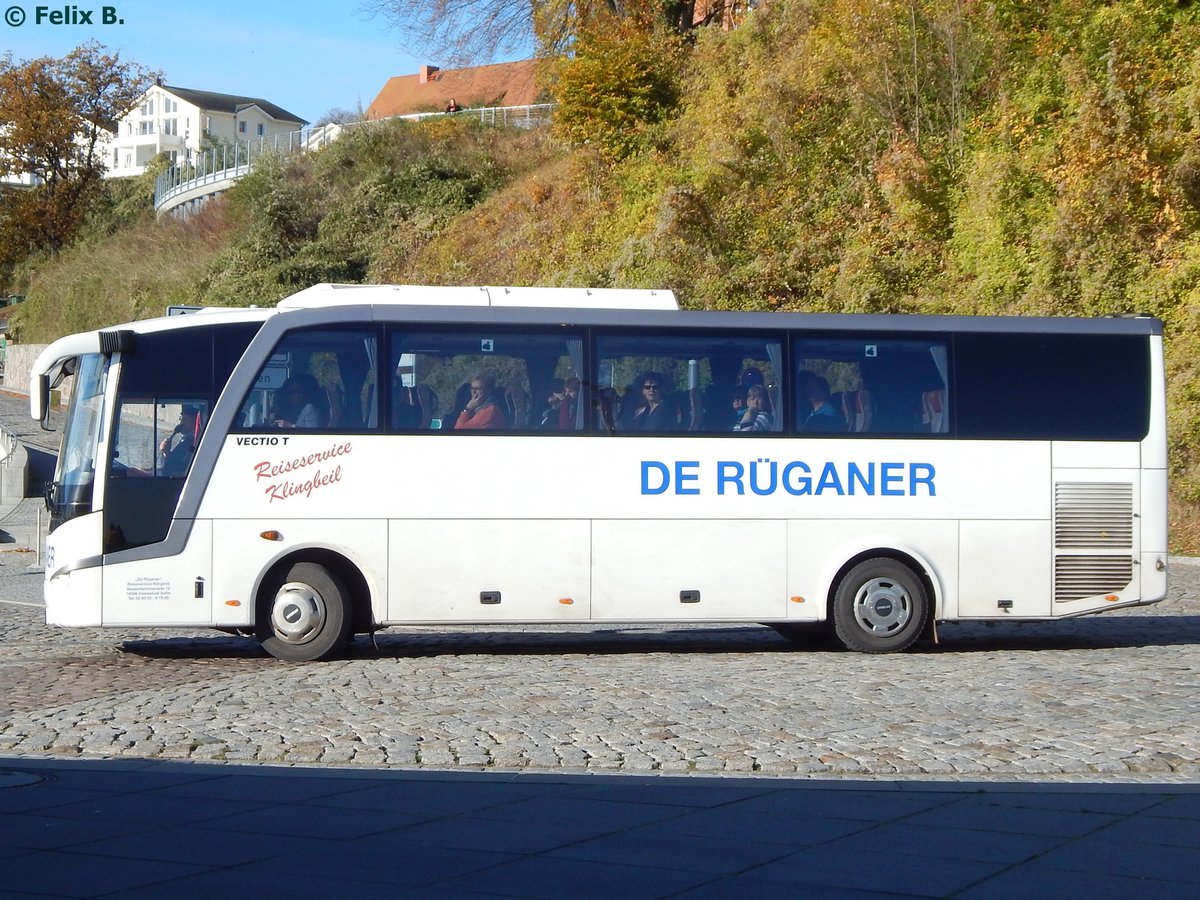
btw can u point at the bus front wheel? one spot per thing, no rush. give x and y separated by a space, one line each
306 617
880 606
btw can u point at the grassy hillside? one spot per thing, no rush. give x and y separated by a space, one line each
893 155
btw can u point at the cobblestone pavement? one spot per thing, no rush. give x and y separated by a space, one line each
1115 696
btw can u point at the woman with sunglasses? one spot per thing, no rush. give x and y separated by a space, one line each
654 413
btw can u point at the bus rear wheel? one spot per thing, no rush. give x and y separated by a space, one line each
306 616
880 606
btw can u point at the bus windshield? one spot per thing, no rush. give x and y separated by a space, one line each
71 493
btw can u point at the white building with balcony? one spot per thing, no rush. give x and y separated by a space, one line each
182 122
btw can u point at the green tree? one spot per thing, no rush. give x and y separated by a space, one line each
54 115
622 79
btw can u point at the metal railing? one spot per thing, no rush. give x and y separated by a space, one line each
229 162
500 116
220 166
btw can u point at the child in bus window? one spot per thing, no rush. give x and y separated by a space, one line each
758 415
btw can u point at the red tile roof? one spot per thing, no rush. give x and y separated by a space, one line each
501 84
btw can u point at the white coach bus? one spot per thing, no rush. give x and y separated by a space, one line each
365 456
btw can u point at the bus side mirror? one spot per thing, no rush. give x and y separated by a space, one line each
43 395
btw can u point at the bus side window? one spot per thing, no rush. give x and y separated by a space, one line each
431 373
687 383
315 378
878 386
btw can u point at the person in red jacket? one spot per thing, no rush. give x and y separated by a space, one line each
482 410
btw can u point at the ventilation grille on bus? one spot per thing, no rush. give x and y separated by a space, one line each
1093 515
1076 577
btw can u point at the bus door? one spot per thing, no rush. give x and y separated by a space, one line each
154 441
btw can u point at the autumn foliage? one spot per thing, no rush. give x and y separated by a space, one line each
54 114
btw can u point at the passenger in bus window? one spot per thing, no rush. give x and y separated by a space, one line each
482 410
605 407
721 407
757 415
563 404
298 404
654 413
178 447
738 402
817 413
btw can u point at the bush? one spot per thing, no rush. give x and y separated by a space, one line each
621 82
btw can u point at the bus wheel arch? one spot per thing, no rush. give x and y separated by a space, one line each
309 604
881 601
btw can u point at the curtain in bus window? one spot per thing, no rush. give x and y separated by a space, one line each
575 352
938 399
775 352
371 400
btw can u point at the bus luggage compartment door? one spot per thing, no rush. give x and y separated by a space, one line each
1004 569
479 570
664 570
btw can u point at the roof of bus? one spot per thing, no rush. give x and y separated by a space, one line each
322 295
703 320
604 307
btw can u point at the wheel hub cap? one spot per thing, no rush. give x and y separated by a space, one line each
298 613
882 606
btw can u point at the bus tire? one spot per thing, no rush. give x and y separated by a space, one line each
306 616
880 606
